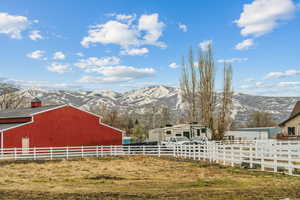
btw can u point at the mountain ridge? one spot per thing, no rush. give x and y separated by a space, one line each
138 100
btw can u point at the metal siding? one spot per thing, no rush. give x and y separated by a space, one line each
64 126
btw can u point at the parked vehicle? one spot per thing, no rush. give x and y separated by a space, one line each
171 141
200 140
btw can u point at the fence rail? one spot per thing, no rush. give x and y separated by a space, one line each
276 156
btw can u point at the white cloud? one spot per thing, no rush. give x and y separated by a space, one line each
115 74
112 32
135 51
204 44
233 60
79 54
173 65
59 68
287 73
35 35
38 55
153 28
111 71
59 55
101 79
139 84
126 34
123 17
256 85
126 71
248 79
93 63
13 25
183 27
244 45
285 84
39 84
126 18
262 16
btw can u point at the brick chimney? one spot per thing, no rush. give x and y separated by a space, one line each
36 102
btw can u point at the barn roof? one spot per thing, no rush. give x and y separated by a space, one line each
22 112
25 112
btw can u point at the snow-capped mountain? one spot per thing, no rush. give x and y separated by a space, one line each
139 99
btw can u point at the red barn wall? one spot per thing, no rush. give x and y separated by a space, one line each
65 126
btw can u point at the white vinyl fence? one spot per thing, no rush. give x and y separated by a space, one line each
276 156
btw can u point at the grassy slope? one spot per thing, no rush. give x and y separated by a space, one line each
139 177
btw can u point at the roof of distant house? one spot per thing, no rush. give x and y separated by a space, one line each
294 113
296 109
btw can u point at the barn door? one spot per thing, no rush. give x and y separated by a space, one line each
25 145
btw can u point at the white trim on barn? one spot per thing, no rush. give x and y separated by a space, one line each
112 127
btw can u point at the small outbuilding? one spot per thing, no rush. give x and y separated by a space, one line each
54 126
258 133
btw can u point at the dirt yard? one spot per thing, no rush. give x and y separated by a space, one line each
139 177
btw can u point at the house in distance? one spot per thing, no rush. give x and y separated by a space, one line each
291 126
54 126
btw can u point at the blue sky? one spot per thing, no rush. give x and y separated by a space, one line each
120 45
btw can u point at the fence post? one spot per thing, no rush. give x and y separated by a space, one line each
224 153
240 154
194 149
34 153
290 164
15 153
216 152
232 155
158 150
207 152
181 151
81 151
129 150
251 156
198 155
67 152
210 152
97 151
275 157
101 150
262 159
143 150
174 150
51 153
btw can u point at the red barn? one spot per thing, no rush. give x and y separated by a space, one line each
54 126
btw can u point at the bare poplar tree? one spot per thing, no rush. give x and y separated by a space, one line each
165 116
188 85
207 96
225 112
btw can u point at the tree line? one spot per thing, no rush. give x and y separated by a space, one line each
197 84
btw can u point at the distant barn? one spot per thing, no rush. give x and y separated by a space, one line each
54 126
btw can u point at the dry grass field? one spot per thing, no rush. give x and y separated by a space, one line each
139 177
